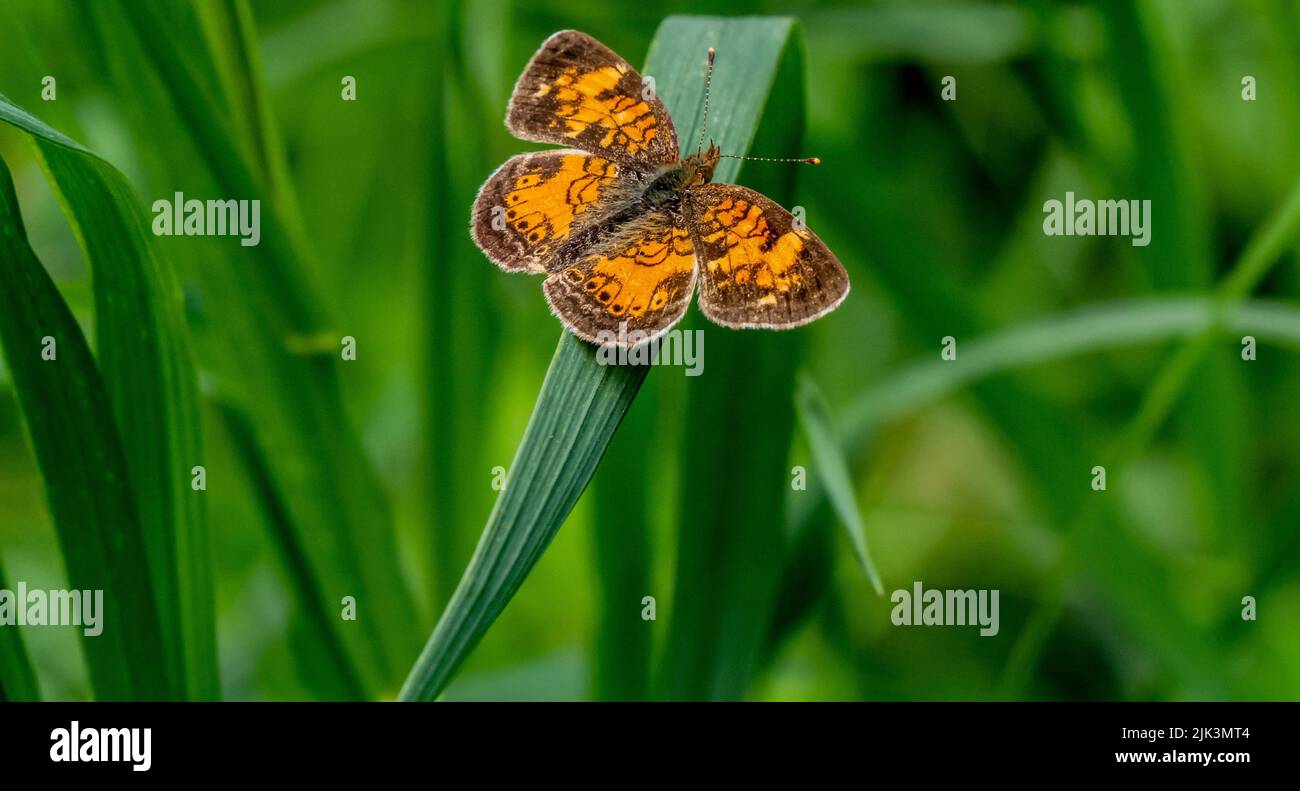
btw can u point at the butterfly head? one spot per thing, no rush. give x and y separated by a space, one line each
699 166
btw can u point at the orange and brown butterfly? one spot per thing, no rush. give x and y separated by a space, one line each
623 227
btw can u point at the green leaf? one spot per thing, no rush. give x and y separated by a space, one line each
577 412
332 673
229 32
622 551
582 401
145 358
262 318
1092 329
1089 330
17 678
731 535
147 364
1165 167
80 454
1227 311
457 341
833 471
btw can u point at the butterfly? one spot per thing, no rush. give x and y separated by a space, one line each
623 227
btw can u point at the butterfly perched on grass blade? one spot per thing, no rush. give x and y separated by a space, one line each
623 227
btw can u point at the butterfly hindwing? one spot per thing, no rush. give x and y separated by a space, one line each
756 268
578 92
534 202
639 280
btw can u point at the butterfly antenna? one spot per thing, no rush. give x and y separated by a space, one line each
800 160
708 80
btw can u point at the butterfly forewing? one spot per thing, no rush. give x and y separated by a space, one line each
757 269
578 92
534 202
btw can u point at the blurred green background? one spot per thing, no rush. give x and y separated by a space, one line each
935 209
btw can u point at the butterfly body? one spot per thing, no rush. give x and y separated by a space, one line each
666 190
672 182
624 227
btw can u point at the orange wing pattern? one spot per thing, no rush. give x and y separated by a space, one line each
535 201
757 269
641 281
576 91
622 255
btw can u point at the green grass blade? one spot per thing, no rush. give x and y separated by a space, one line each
74 434
622 552
232 39
833 470
731 537
147 365
1092 329
334 674
273 350
1155 85
146 361
577 412
457 344
1264 249
1160 399
17 678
